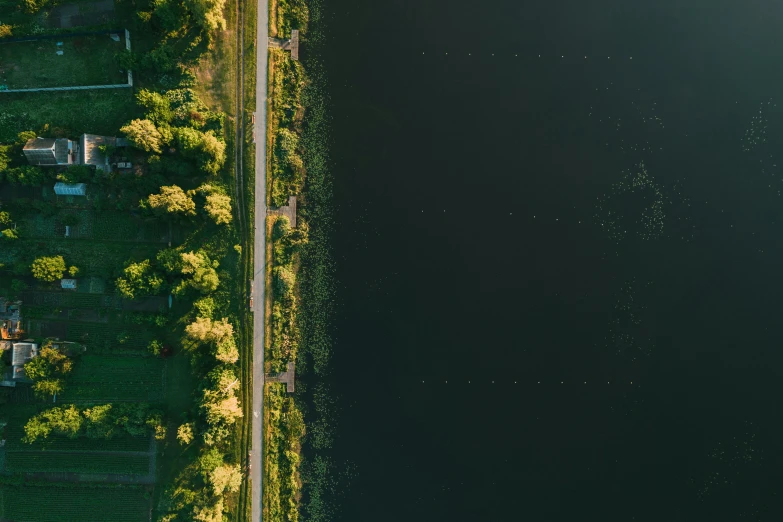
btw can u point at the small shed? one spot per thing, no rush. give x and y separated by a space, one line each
70 189
21 353
68 284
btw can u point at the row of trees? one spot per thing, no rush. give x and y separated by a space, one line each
177 121
104 421
172 200
144 278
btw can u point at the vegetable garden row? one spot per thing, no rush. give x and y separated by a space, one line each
73 503
53 461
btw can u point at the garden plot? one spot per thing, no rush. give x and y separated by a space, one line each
82 462
84 60
107 338
115 378
74 503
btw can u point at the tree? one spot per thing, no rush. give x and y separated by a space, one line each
198 265
205 279
9 233
226 351
73 271
48 387
204 306
23 137
158 107
207 13
214 150
155 347
225 478
185 433
27 175
222 409
5 158
139 279
204 147
209 513
218 206
206 330
170 259
61 421
50 362
144 135
173 200
5 30
48 269
46 370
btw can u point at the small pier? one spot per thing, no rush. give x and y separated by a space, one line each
287 377
288 211
291 44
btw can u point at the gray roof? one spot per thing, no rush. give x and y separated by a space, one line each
47 151
90 154
39 143
23 352
61 151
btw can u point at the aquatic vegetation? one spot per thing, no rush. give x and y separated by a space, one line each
634 205
756 133
626 335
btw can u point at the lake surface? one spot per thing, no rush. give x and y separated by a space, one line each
559 277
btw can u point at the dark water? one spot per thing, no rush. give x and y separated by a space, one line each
494 224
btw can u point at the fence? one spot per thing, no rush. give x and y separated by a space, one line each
77 87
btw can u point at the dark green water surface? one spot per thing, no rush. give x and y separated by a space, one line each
559 277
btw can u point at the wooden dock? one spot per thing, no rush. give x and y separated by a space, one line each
288 211
287 377
290 44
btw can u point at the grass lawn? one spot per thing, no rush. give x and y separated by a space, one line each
67 113
86 60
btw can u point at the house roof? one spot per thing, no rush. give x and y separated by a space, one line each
39 144
90 154
61 148
47 151
23 352
68 283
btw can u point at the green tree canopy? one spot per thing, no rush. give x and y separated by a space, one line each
173 200
208 14
218 206
204 277
28 175
48 268
207 149
144 135
157 107
204 329
139 279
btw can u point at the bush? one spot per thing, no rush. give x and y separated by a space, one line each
76 174
48 269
